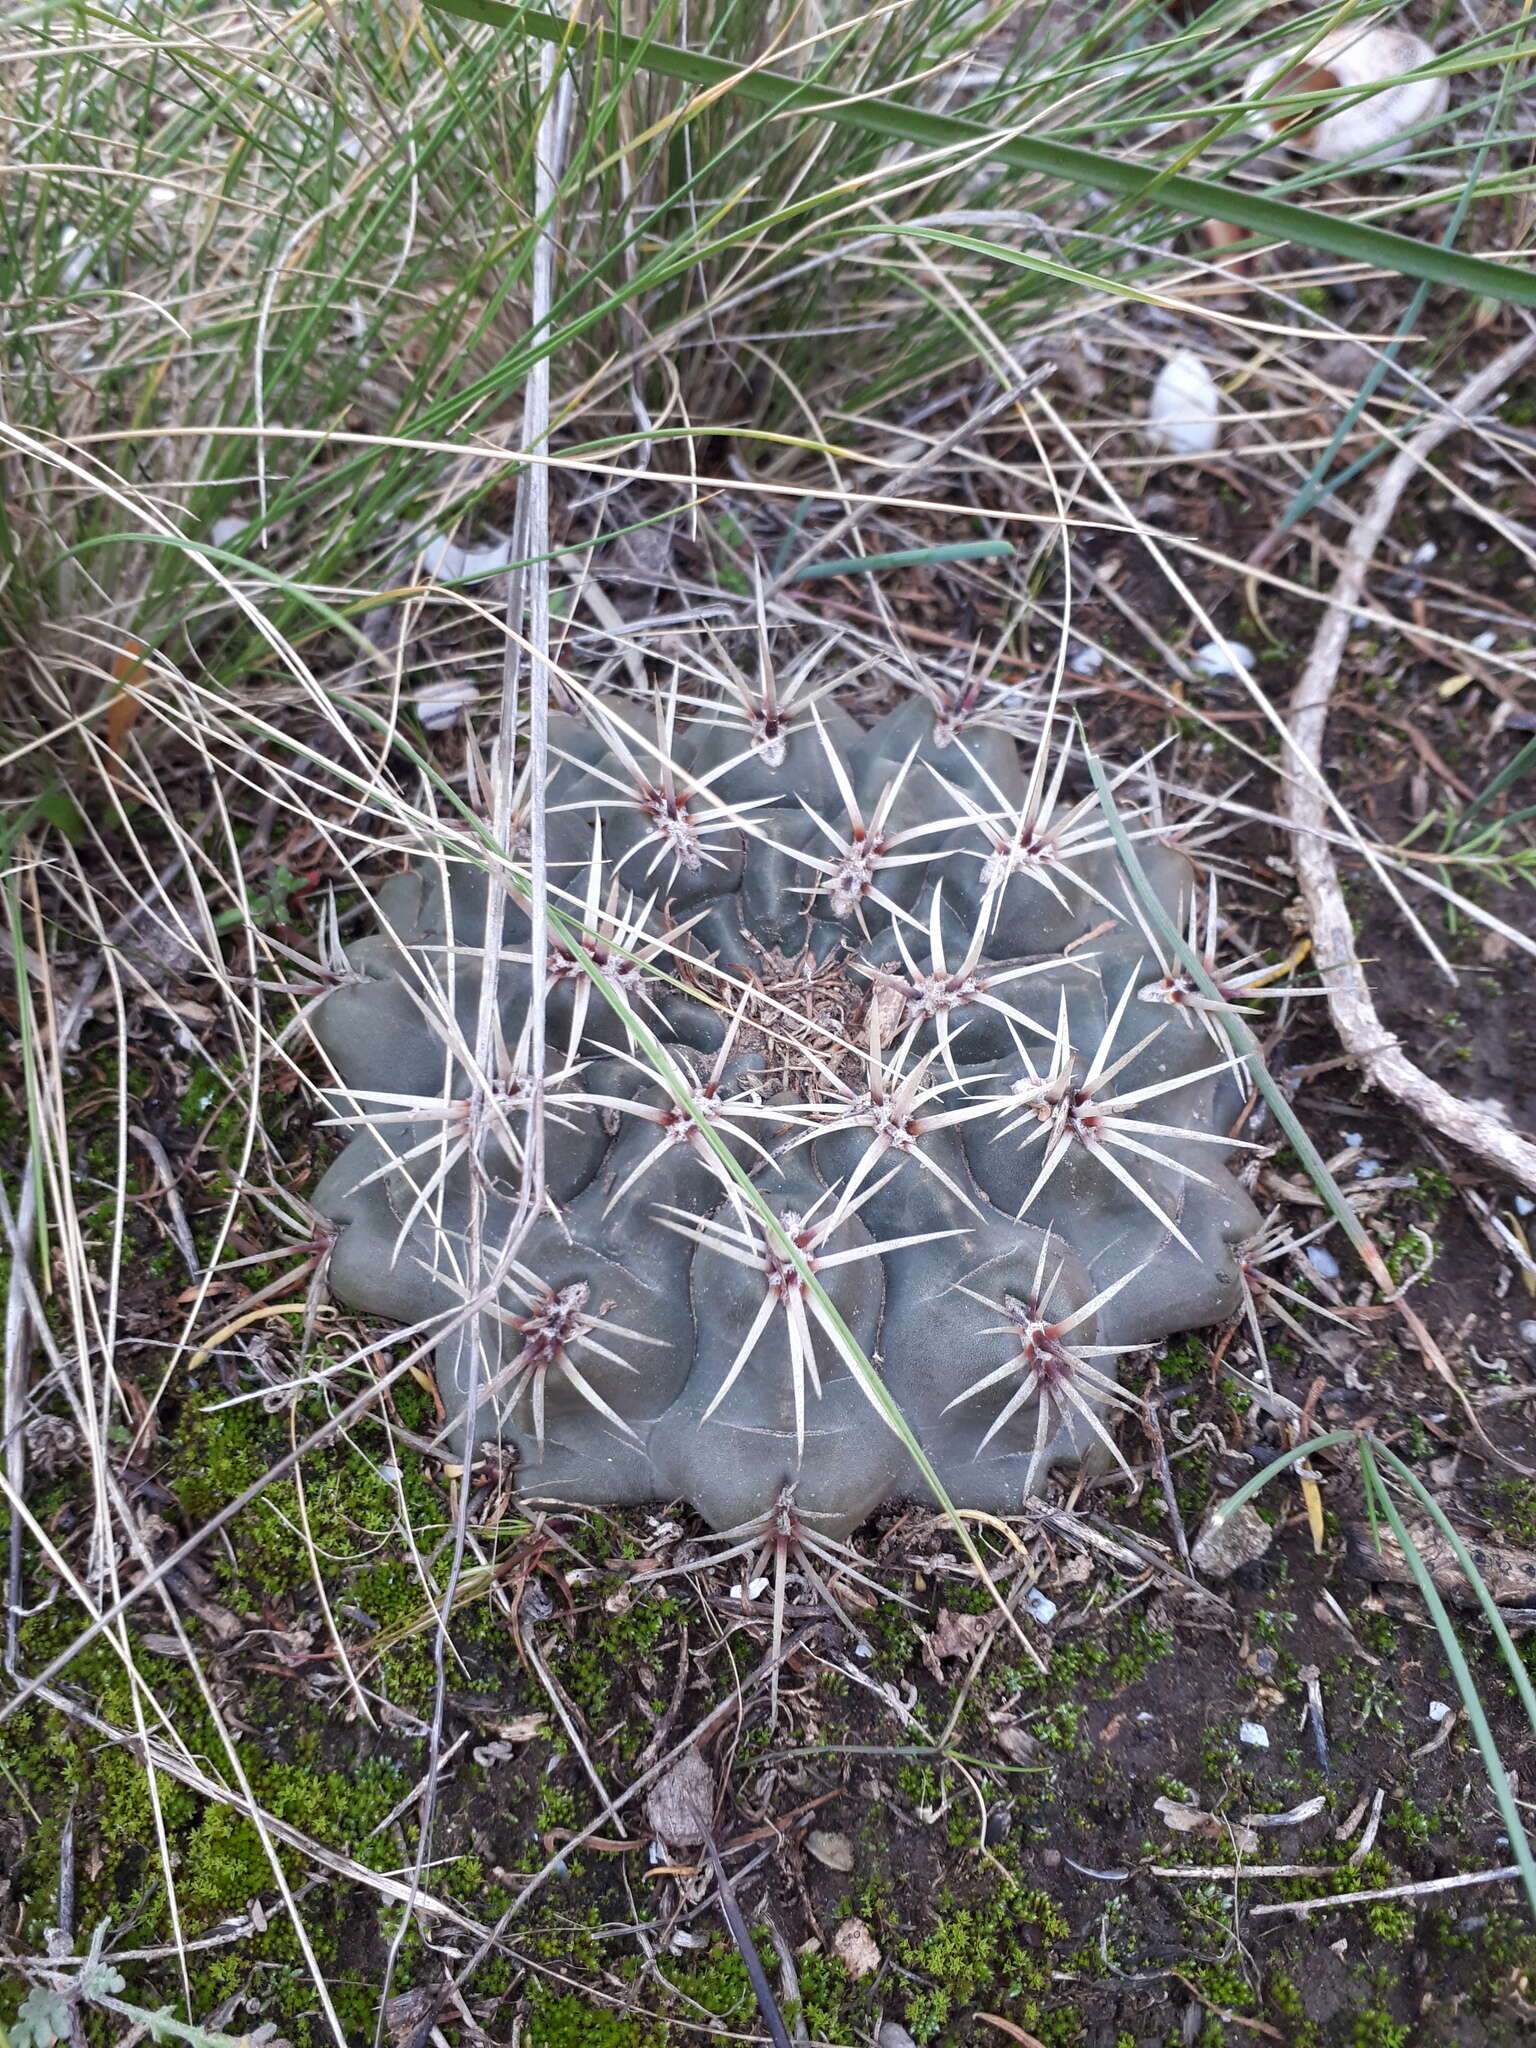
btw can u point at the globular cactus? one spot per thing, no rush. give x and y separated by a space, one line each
906 986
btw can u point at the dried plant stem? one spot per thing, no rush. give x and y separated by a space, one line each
1505 1874
1375 1051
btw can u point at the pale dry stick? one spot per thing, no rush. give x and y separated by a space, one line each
1377 1053
1507 1874
1213 1873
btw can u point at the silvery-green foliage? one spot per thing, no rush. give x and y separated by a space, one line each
912 995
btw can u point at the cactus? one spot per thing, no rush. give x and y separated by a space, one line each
900 978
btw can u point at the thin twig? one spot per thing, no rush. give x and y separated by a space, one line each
1507 1874
1375 1051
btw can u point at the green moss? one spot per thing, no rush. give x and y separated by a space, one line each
1000 1949
217 1857
219 1101
1144 1647
597 1666
1508 1942
1407 1254
1222 1985
1510 1506
719 1983
1281 1996
1060 1727
832 2006
921 1784
1377 2029
557 1808
1391 1921
1411 1822
565 2020
1185 1359
1379 1633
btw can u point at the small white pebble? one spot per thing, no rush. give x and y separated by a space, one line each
754 1591
1423 554
1255 1734
1484 642
438 704
865 1650
1322 1262
390 1474
224 530
1524 1205
1183 415
1438 1710
1528 1332
1217 658
1044 1611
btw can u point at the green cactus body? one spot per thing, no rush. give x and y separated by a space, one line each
907 988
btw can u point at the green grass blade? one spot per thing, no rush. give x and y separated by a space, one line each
1466 1684
908 558
1275 1467
1196 198
1474 1577
1509 774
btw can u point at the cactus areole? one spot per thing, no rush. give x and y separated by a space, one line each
900 976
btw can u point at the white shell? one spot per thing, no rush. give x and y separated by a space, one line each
1184 415
438 704
1373 129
